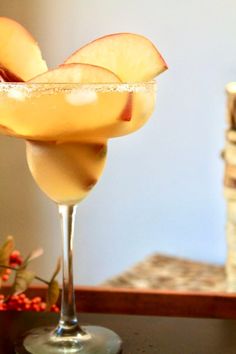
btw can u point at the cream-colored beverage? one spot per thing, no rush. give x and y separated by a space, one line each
66 172
67 115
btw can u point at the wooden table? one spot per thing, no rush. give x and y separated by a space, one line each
140 334
150 302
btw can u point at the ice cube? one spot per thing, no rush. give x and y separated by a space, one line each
81 97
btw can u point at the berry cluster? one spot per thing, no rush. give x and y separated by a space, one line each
15 261
22 303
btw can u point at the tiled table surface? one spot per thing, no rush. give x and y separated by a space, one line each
166 272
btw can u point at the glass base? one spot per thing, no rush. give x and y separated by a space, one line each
94 340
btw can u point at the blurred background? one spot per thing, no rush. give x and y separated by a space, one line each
162 187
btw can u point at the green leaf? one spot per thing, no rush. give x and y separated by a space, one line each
52 294
57 269
5 252
23 279
53 287
33 255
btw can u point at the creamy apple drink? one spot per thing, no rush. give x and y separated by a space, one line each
66 156
66 116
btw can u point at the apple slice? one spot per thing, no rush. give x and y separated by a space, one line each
19 53
54 106
132 57
77 73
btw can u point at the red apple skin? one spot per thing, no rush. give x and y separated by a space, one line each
8 76
127 112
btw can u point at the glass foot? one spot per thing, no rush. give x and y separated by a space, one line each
94 340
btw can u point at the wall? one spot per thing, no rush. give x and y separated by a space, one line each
162 187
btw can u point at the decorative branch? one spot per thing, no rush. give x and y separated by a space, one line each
11 260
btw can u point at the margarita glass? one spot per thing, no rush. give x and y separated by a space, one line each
66 127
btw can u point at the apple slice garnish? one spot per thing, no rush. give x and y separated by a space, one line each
19 53
132 57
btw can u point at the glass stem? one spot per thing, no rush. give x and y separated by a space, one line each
68 324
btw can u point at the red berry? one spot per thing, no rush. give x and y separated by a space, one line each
35 307
14 265
43 306
5 277
54 308
36 300
15 258
15 254
21 302
19 261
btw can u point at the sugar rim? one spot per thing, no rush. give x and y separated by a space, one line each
65 87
